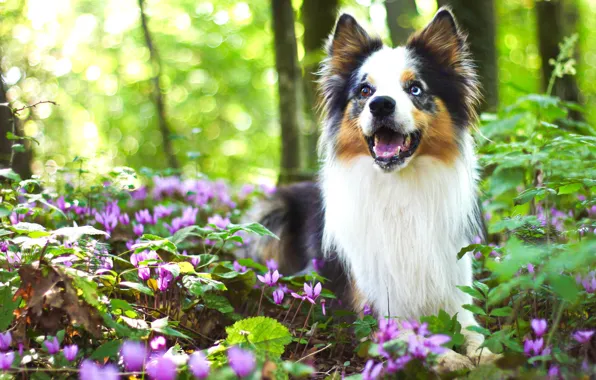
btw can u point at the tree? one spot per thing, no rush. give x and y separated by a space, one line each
400 17
5 127
477 18
290 89
318 18
158 97
556 19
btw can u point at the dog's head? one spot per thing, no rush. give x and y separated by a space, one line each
397 104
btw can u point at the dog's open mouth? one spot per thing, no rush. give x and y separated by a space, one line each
390 148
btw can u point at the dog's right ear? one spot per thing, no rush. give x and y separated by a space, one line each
349 45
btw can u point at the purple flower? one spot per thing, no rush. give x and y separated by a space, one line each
137 258
539 326
144 273
161 211
5 341
245 191
533 348
3 246
218 221
53 346
271 264
139 194
371 370
278 296
162 368
144 217
6 360
239 268
434 343
70 352
366 310
124 219
21 348
188 218
198 365
531 268
269 279
158 343
312 293
242 362
388 330
398 364
317 264
553 372
91 371
164 278
583 337
138 229
323 306
134 355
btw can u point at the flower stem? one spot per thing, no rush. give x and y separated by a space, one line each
261 300
297 310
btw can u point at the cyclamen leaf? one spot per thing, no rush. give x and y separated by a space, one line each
75 233
474 309
136 286
471 291
502 312
264 333
479 329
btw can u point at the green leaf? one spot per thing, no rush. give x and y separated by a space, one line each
19 148
570 188
479 329
75 233
217 302
109 349
501 312
297 370
482 287
471 291
264 333
255 228
8 306
565 287
10 174
474 309
136 286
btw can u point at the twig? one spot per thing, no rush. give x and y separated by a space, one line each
314 353
179 324
17 110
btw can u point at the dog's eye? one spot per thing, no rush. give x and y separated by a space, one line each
366 91
415 90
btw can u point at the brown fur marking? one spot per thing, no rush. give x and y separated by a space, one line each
358 299
407 76
438 139
350 141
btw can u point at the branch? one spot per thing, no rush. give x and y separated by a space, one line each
17 110
157 90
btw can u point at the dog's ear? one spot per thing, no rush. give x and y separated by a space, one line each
349 45
442 39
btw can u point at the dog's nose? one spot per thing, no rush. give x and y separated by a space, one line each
382 106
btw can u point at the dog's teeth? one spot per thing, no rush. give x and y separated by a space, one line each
408 141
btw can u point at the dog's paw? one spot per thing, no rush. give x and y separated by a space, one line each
452 361
483 356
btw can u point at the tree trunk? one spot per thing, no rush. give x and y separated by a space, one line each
477 18
400 17
5 127
318 18
290 89
557 19
158 97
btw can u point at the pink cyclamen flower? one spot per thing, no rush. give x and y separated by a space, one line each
583 337
199 365
323 306
269 279
70 352
371 370
271 264
138 229
53 346
278 296
162 368
312 293
134 355
6 360
366 310
158 343
239 268
539 326
533 347
90 370
243 362
553 372
5 341
144 273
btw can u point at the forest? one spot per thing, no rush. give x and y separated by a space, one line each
137 137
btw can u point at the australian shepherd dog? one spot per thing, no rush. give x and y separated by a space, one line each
397 195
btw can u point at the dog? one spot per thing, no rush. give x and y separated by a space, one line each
397 195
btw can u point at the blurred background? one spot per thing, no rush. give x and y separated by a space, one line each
195 85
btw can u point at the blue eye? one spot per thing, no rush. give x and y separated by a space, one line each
415 91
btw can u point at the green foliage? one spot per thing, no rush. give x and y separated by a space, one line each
263 333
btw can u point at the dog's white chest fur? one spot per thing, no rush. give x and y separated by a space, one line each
399 233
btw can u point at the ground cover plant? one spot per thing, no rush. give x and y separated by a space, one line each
141 274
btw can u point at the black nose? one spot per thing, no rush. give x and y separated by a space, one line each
382 106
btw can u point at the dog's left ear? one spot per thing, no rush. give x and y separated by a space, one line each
442 39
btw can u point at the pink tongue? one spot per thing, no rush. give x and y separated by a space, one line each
386 147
